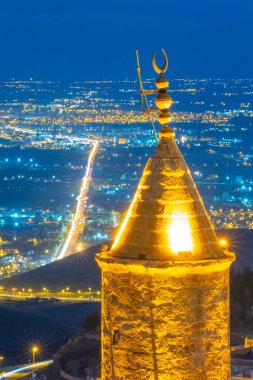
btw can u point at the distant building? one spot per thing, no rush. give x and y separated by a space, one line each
248 341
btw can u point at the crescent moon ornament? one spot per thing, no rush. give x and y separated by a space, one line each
163 69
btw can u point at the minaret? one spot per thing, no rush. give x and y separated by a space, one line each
165 280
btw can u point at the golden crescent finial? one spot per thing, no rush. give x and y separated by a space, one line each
163 69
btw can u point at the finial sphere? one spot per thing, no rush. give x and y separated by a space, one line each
163 101
161 82
164 117
163 69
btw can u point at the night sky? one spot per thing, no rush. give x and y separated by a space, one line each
96 39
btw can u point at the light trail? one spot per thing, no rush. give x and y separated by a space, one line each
77 298
78 219
25 368
81 201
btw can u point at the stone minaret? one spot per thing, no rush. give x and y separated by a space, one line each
165 280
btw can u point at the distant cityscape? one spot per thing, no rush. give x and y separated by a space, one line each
47 131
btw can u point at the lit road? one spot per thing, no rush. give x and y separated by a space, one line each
76 224
79 216
24 371
70 298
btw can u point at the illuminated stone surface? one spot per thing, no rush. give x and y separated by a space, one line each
166 190
165 315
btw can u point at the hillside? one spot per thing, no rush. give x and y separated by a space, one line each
78 271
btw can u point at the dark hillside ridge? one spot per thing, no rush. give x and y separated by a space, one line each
80 271
77 271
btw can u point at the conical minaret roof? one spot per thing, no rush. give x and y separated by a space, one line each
167 219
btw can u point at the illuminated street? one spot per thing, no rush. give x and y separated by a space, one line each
79 217
25 370
64 296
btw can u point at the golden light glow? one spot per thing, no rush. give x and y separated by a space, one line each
180 236
35 350
223 242
79 247
123 225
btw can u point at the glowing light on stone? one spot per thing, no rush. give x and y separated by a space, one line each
123 225
223 242
180 237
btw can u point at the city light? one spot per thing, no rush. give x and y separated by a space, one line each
79 247
229 209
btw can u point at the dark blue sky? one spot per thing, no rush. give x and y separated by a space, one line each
93 39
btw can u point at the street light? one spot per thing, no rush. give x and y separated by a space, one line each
1 360
35 350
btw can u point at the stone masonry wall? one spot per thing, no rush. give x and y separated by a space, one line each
166 327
